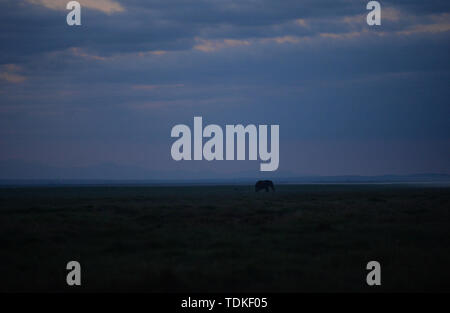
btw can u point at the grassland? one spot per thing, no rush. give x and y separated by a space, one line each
225 238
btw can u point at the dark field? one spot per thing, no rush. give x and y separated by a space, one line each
226 238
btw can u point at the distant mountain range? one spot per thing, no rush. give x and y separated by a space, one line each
16 172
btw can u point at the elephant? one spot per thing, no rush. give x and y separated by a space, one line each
264 184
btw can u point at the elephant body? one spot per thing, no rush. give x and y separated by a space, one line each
264 184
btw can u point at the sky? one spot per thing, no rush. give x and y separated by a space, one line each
350 99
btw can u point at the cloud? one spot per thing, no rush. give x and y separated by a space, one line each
153 87
9 73
301 22
105 6
438 23
342 36
82 54
316 68
155 52
151 28
284 39
206 45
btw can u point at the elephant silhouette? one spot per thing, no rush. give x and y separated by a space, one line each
264 184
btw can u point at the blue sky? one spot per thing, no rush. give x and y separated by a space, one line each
350 99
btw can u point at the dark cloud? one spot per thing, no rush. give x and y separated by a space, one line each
174 25
122 80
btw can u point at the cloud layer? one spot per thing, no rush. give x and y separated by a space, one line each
111 89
